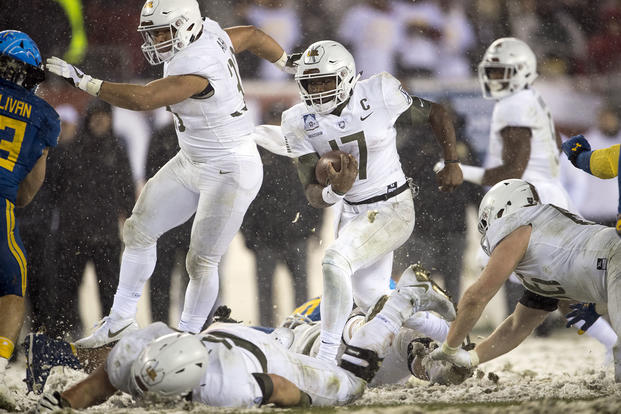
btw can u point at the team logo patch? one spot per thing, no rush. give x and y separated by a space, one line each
310 122
149 7
314 55
341 124
602 263
221 44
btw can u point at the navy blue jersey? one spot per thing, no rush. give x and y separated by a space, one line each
28 124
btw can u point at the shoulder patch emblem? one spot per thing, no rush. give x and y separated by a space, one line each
310 122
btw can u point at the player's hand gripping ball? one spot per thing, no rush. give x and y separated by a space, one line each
329 159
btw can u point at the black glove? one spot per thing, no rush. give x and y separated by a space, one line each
223 314
292 60
582 312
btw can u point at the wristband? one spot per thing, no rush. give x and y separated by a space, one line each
473 174
90 85
474 358
282 61
330 196
449 350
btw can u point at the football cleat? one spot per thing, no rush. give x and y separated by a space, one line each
424 293
107 331
42 354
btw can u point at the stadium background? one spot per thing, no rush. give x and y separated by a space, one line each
569 36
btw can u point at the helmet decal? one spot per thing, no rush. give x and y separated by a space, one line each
149 7
314 55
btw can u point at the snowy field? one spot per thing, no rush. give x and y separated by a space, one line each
563 373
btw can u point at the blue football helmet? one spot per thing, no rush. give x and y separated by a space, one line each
20 59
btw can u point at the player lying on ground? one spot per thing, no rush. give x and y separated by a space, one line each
299 333
556 255
230 365
602 163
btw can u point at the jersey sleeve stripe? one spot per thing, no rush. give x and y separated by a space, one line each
13 246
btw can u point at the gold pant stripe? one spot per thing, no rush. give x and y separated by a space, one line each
13 246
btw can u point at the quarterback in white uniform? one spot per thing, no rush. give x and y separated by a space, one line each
373 196
216 174
230 365
556 254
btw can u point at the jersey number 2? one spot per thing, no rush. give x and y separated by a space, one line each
10 141
362 150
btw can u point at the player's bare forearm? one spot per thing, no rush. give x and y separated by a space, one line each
515 155
93 390
30 185
470 308
156 94
286 393
502 262
443 130
511 332
255 41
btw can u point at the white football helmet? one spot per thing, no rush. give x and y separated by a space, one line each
517 60
171 365
326 59
504 198
183 19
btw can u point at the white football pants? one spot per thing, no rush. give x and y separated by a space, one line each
219 191
358 265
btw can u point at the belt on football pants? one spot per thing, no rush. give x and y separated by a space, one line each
382 197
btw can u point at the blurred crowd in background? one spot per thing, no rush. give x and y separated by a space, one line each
105 154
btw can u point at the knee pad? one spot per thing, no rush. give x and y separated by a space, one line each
134 236
197 265
334 258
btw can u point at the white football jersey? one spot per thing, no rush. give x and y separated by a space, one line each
526 109
217 122
364 129
567 256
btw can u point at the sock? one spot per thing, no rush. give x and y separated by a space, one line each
429 325
603 332
329 346
6 347
397 310
137 266
3 363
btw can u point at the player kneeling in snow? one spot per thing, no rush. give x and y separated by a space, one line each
230 365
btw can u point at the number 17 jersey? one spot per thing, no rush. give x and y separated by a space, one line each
28 125
365 129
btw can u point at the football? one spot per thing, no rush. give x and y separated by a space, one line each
323 165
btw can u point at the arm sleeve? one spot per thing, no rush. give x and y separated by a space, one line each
604 163
535 301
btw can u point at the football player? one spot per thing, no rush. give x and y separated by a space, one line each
602 163
375 210
29 126
230 365
216 174
556 255
524 142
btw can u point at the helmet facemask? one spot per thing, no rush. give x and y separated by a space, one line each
180 18
324 102
514 60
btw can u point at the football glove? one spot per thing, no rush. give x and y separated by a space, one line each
457 356
582 312
575 146
51 402
288 63
73 75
